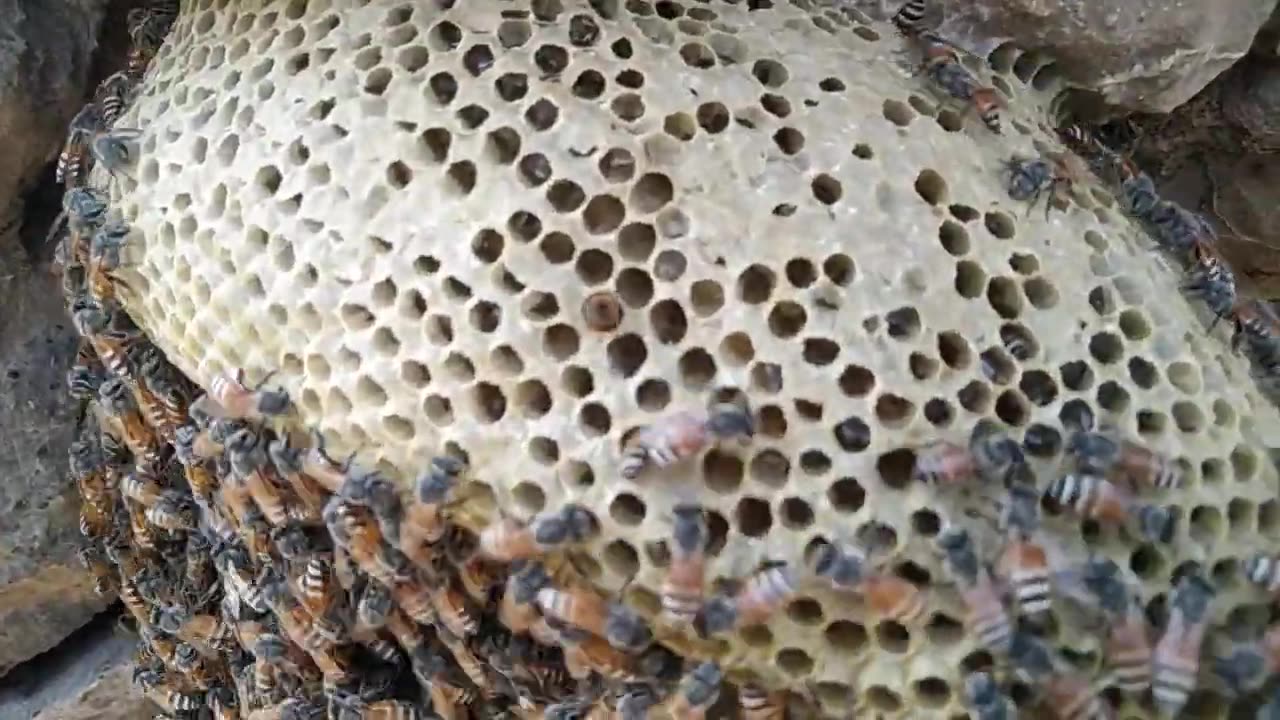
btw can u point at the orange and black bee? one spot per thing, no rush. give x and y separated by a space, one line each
511 540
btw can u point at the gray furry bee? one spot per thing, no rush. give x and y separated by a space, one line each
511 540
760 596
112 95
986 699
1176 660
1100 454
1210 278
942 66
73 160
1092 497
698 691
1177 228
1247 665
681 435
104 259
991 455
682 585
987 616
117 150
1055 173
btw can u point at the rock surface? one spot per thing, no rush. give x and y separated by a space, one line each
1142 55
46 47
44 593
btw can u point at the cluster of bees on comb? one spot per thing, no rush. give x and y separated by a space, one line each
268 580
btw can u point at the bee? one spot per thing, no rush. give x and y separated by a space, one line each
172 511
141 486
73 160
517 610
466 661
942 66
1138 193
987 104
85 210
318 466
1029 179
987 617
844 567
1023 562
587 611
199 629
95 561
117 150
389 710
1070 696
758 704
1247 666
1211 279
293 617
249 462
698 691
991 455
112 95
171 413
682 435
92 478
160 690
233 400
909 19
479 578
1099 454
450 690
104 259
356 531
1258 328
682 588
760 596
1176 659
510 540
423 524
985 698
223 703
453 608
93 320
200 574
288 461
374 603
84 381
187 660
321 599
1263 570
584 654
376 492
1128 651
116 398
1092 497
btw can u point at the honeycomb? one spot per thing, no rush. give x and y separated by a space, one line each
411 212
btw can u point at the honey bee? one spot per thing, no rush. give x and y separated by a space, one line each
450 690
198 671
942 66
1178 229
205 631
909 19
73 161
698 691
1030 658
510 540
94 482
162 691
223 703
318 466
104 259
466 661
760 596
1097 453
141 487
94 559
1211 279
584 654
987 617
172 511
1070 696
249 462
231 399
1176 659
320 598
987 104
1023 562
682 588
117 150
376 492
93 322
85 376
757 703
116 398
85 210
892 597
423 523
1092 497
112 95
682 435
1029 179
1263 570
843 566
288 461
985 698
296 622
517 610
1128 651
157 374
1258 328
991 455
374 604
480 578
1247 666
1138 193
356 531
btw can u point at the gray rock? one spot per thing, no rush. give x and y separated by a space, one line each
1140 55
45 51
44 593
88 676
1250 98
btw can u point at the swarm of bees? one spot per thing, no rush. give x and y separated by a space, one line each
268 580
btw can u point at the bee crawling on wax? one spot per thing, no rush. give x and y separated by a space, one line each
1176 659
113 94
228 397
117 150
1023 563
911 17
682 587
942 66
1246 666
683 434
1210 278
845 568
1263 570
991 455
698 691
760 596
987 617
1095 498
1257 328
73 162
986 699
1055 173
509 539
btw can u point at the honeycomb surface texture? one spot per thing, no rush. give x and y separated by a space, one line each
403 208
